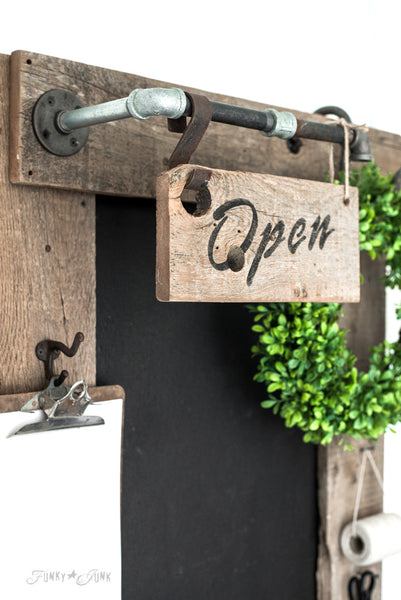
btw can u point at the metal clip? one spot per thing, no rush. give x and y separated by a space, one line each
64 407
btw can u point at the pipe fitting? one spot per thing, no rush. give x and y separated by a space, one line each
284 124
360 149
145 103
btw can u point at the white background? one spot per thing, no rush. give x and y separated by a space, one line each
293 54
61 510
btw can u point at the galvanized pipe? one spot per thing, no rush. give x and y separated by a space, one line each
92 115
140 104
173 104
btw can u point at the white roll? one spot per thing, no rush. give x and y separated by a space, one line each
375 538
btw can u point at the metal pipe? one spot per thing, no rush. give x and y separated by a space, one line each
173 103
140 104
270 122
324 132
359 143
67 121
242 117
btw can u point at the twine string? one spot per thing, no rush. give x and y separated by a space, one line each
346 126
331 163
375 469
358 493
367 455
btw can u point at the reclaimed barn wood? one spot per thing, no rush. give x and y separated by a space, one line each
338 470
263 238
125 157
47 272
338 474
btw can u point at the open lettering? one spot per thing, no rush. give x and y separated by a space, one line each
271 237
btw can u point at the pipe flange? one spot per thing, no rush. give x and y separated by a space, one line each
45 119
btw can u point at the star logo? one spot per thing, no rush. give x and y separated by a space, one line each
72 575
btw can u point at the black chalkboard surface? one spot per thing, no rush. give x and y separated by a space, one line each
219 498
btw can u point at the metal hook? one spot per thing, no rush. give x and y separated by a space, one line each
48 350
333 110
193 132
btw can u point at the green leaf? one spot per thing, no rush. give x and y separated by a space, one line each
268 403
282 320
274 386
280 368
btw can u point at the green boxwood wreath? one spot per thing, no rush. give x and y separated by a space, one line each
304 361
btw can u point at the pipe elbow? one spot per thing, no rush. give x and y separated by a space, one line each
360 148
145 103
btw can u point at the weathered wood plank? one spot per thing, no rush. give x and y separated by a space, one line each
14 402
47 272
125 157
338 472
338 469
220 255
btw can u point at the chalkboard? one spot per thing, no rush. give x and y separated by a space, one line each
219 498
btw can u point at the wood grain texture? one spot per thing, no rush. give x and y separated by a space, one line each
338 469
338 473
47 272
125 157
14 402
302 266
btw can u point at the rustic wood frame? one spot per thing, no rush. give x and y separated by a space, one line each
47 227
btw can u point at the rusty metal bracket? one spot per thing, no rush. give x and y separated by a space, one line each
193 132
48 350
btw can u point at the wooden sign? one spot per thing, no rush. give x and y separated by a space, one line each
255 238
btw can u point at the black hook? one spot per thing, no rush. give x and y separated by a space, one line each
333 110
48 350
